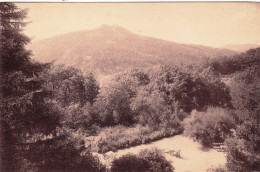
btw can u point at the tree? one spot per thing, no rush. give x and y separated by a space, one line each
244 148
151 109
13 55
70 86
180 87
32 137
91 88
238 63
113 102
22 106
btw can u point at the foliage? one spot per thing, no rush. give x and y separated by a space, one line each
189 87
13 55
180 87
70 86
31 118
113 102
113 105
147 160
156 160
60 154
26 109
219 92
218 169
91 88
214 125
243 148
151 109
159 97
241 156
118 137
80 118
235 64
244 93
129 163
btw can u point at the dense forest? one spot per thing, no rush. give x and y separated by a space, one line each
53 117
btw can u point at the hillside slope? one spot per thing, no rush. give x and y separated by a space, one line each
111 48
240 47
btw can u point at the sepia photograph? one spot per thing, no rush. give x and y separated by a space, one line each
130 87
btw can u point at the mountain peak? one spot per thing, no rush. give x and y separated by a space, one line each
111 48
116 28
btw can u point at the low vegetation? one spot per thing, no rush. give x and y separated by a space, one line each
218 169
147 160
213 125
118 137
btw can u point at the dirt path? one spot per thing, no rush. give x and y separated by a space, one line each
193 157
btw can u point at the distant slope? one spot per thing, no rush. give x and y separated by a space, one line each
240 47
112 48
236 64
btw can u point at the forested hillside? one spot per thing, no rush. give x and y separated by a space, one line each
110 49
240 47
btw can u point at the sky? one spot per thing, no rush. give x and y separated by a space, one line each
207 23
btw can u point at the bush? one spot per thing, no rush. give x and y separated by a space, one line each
156 160
60 154
152 110
214 125
80 118
129 163
147 160
217 169
118 137
243 149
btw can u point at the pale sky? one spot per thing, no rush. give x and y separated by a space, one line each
212 24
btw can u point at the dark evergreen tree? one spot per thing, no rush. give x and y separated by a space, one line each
32 135
24 111
91 87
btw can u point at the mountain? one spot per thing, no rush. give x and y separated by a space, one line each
111 48
240 47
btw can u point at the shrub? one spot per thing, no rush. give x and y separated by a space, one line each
78 117
146 161
118 137
214 125
129 163
218 169
153 110
60 154
243 149
156 160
